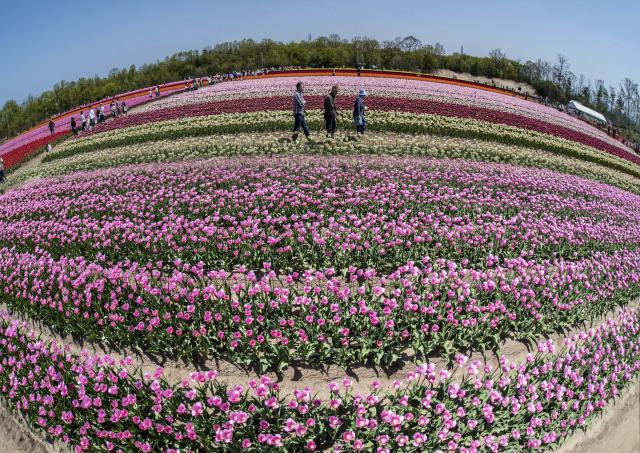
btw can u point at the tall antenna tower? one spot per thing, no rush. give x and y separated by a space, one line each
359 62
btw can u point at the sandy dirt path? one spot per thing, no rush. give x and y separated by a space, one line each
616 431
16 437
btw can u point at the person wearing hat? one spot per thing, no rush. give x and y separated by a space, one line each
330 111
298 113
358 112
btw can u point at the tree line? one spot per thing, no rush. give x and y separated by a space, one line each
554 81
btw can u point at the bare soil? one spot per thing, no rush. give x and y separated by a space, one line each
497 82
616 431
16 437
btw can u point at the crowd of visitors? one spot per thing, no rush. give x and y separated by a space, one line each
97 116
239 75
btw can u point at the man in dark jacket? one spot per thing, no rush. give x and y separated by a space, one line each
73 126
330 111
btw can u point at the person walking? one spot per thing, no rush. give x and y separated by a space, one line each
3 179
124 107
112 109
330 111
74 129
359 114
298 113
83 121
52 127
101 118
92 118
150 93
157 91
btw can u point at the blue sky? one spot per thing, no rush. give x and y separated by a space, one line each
44 42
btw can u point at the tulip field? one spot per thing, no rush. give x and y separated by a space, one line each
193 230
417 98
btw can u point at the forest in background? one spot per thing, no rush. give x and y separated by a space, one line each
553 80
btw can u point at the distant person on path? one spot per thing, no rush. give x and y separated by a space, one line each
124 108
157 91
118 111
83 121
74 128
150 93
52 127
298 112
92 118
101 118
112 109
359 114
330 111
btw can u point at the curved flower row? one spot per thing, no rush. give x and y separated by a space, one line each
95 404
18 154
380 121
219 256
381 87
272 144
415 106
17 148
351 211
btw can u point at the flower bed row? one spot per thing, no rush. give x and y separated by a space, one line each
416 106
219 256
376 144
14 157
94 404
379 121
382 87
350 211
15 149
